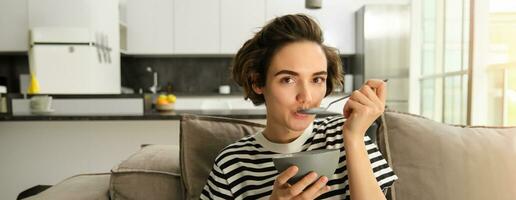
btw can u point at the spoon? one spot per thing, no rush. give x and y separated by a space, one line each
322 110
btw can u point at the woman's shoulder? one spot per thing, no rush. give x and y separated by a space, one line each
245 145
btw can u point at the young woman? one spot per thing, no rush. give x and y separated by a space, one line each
287 67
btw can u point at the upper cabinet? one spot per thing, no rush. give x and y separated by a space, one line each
59 13
336 19
197 26
222 26
239 21
150 26
14 34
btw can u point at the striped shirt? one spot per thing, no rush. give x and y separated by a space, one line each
244 170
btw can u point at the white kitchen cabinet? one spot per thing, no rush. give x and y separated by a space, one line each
222 26
276 8
336 18
59 13
150 26
239 21
14 34
197 27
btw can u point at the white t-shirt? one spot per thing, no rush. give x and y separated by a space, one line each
244 169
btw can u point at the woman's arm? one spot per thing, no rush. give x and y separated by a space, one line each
363 107
362 182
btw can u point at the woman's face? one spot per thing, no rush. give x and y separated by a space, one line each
296 79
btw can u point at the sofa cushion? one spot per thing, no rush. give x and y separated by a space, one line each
201 139
438 161
151 173
79 187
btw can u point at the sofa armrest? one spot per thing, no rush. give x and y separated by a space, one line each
79 187
151 173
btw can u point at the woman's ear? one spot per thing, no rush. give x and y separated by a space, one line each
257 89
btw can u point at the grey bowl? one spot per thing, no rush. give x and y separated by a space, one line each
324 162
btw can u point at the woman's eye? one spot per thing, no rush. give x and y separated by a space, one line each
287 80
319 80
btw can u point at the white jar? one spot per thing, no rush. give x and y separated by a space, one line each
224 89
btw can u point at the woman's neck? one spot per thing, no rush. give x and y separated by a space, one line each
280 134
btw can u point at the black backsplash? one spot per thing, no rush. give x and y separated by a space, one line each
11 66
182 75
192 75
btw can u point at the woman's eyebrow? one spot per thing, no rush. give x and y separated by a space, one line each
295 73
321 73
286 72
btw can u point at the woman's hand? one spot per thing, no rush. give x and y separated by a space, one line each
283 190
363 108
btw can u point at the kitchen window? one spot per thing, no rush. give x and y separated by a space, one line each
462 81
500 71
443 77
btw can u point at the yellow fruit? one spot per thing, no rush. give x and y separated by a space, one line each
162 101
171 98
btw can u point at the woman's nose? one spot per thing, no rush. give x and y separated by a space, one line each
304 96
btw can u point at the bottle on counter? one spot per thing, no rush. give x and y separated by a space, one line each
3 99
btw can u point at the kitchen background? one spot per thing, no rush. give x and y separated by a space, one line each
106 48
438 64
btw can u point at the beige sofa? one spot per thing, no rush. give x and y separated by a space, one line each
432 160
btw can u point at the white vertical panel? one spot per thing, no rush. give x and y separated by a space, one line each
197 26
239 21
150 26
14 34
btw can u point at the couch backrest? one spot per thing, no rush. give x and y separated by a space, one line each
439 161
201 140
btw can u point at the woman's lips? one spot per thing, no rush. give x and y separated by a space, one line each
299 115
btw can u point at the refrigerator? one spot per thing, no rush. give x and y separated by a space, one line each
73 61
382 40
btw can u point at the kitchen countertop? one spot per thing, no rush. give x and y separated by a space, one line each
147 115
152 115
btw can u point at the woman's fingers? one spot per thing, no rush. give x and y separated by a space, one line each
350 106
360 97
315 190
285 175
322 191
298 187
368 91
379 87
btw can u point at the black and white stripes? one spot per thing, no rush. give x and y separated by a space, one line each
244 170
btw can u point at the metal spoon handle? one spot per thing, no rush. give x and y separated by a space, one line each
339 99
346 96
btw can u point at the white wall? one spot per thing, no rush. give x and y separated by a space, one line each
45 152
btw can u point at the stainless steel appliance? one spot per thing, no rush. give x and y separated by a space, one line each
383 50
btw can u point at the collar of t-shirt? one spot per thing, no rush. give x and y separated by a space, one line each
292 147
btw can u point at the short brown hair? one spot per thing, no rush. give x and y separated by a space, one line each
252 61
